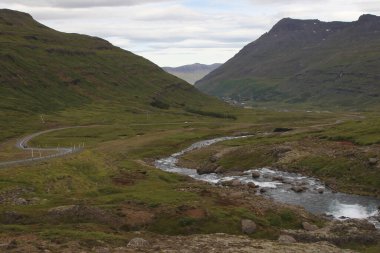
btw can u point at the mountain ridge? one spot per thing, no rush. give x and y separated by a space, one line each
192 72
299 61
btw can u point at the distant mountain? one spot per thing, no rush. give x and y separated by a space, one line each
192 73
43 70
306 62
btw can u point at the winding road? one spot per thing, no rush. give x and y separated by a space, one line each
58 152
63 151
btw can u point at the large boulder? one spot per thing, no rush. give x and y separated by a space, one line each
278 178
207 169
236 182
233 183
309 227
286 239
138 243
298 188
255 174
373 161
320 190
219 170
251 185
248 226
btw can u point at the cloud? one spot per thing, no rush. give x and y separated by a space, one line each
81 4
175 32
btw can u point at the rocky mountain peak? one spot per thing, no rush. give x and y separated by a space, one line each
290 25
16 18
366 18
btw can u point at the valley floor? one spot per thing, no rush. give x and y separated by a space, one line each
98 200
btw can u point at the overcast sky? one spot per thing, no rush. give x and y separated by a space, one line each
178 32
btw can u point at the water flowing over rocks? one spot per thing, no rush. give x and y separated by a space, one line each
284 187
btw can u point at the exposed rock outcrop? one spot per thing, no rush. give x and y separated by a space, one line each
286 239
309 227
138 243
340 233
82 213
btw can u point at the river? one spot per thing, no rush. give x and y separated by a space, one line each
277 185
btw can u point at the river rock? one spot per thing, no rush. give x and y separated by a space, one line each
286 239
320 190
278 178
233 183
138 243
255 174
219 169
236 182
248 226
251 185
309 227
298 189
206 170
263 190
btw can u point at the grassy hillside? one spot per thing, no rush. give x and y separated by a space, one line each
43 71
308 62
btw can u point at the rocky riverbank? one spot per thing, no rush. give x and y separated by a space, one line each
342 165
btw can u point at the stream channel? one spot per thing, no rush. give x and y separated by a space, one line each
277 185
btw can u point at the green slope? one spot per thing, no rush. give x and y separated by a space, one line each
75 79
306 62
44 71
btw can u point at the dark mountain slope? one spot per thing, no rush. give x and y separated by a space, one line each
43 70
306 62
